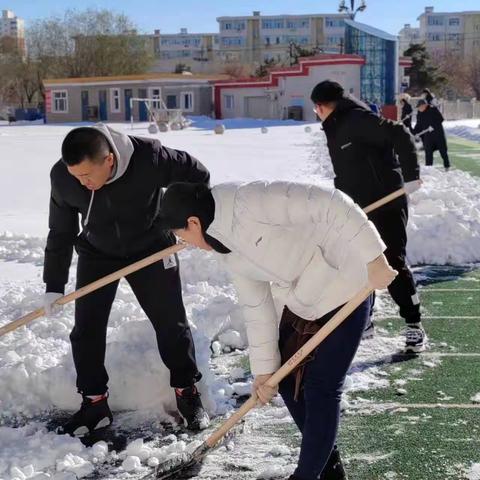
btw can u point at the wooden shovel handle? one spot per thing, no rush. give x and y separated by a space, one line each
94 286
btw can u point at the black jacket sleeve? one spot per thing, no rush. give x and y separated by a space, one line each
64 228
179 166
382 133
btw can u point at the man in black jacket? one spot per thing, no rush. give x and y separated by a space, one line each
371 158
430 127
114 182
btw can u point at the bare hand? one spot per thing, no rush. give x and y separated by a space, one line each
380 273
263 392
413 186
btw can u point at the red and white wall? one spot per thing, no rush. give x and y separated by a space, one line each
286 87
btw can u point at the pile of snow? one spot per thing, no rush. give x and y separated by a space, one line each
444 226
468 129
473 473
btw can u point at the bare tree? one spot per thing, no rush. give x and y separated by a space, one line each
89 43
462 74
237 70
472 73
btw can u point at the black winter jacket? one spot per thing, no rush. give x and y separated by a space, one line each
431 117
371 156
123 215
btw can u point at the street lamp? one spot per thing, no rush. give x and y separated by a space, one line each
352 11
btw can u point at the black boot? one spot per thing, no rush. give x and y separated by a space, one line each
92 416
190 407
334 468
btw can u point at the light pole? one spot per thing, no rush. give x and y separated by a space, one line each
352 11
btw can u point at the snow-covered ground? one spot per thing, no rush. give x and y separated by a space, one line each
36 369
468 129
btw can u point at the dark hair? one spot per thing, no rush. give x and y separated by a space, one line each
183 200
327 92
84 143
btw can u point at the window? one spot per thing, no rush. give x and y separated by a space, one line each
187 101
334 41
229 102
454 37
156 94
232 41
436 37
267 41
115 100
293 24
60 101
435 20
172 101
332 22
454 21
274 23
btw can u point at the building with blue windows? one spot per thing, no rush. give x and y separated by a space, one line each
379 75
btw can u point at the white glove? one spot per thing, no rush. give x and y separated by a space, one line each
49 305
413 186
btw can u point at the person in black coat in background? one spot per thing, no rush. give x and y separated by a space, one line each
429 97
435 139
407 113
373 157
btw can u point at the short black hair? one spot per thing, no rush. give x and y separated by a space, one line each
327 92
84 143
184 200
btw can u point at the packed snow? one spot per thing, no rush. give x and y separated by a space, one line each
36 368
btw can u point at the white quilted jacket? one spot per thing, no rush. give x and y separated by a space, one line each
309 245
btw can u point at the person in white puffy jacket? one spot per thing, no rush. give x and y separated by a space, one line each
314 249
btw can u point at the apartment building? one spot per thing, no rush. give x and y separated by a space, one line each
407 36
258 38
445 32
12 30
198 51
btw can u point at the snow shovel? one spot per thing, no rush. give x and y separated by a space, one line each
94 286
183 463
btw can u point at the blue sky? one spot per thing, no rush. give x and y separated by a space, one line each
200 16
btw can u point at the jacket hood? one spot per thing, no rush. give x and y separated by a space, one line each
122 148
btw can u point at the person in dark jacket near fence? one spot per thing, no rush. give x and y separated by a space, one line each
429 117
407 112
430 98
373 157
114 181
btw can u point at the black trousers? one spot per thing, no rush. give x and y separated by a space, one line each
391 223
159 293
442 148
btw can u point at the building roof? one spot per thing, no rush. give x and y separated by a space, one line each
434 13
313 15
297 70
146 77
371 30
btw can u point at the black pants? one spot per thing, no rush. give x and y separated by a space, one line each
159 292
443 152
391 223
